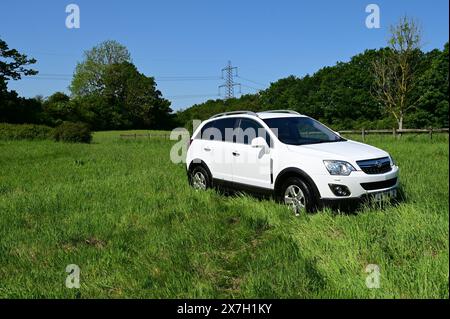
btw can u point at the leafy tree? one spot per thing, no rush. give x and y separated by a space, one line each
110 93
140 103
395 73
432 91
57 108
18 110
13 65
89 74
127 99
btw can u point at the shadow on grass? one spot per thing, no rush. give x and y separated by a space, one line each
368 203
344 207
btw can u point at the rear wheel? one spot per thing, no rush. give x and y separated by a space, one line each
297 195
199 178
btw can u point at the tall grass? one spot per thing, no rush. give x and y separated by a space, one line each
125 214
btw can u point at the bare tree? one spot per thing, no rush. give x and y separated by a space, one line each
395 71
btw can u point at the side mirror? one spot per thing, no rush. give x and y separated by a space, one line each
261 143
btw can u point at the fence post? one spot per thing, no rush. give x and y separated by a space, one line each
431 133
394 132
363 134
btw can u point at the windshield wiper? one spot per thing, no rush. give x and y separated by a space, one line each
322 142
338 140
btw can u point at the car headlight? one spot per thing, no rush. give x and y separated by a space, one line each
392 160
339 167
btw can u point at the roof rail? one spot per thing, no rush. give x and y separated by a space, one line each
281 111
233 113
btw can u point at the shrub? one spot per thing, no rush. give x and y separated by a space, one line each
24 132
73 133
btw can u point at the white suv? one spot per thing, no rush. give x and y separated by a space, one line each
293 157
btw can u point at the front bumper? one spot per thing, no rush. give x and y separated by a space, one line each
347 203
354 183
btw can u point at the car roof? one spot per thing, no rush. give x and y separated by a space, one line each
267 115
261 115
248 114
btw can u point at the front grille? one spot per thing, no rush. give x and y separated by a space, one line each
379 185
375 166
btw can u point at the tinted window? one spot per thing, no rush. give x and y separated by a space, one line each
216 130
249 130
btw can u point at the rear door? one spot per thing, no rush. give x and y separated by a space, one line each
217 149
251 166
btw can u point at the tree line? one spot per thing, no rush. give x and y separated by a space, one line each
107 93
396 86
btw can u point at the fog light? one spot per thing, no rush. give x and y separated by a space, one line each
340 190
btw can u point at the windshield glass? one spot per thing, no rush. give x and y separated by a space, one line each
301 131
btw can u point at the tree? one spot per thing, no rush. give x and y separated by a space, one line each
89 74
12 67
136 96
432 91
395 73
13 64
57 108
127 99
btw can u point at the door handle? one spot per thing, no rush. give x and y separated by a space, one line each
207 149
236 154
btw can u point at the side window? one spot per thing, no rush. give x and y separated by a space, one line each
209 132
226 128
250 129
218 130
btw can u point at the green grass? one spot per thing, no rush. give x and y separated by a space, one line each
124 213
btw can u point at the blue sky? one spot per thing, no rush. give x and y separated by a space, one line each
267 40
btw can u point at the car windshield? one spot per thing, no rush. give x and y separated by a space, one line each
301 131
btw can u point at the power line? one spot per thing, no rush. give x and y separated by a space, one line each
229 84
53 76
229 70
46 78
189 96
188 77
248 80
251 87
182 79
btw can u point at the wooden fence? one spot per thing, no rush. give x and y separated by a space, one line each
396 132
148 135
363 132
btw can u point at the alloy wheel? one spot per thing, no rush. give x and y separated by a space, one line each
295 199
199 181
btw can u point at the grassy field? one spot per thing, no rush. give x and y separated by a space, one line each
125 214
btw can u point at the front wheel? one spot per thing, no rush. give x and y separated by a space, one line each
199 178
297 195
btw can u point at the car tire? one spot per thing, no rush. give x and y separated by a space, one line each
199 178
298 195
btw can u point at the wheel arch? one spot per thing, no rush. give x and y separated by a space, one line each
296 172
198 162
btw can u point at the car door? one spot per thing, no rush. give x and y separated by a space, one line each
251 166
217 150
